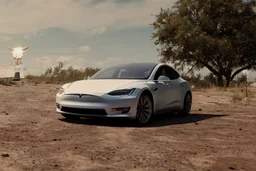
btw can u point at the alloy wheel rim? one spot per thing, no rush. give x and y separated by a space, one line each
144 109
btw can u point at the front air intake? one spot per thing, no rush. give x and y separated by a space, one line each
84 111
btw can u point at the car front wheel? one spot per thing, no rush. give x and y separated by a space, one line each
144 109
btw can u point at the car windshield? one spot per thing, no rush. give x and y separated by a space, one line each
126 71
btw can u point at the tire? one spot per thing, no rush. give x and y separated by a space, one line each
73 117
187 105
144 109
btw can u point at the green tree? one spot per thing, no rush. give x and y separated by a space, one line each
217 34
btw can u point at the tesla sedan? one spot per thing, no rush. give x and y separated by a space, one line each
134 90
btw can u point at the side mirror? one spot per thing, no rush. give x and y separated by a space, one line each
163 79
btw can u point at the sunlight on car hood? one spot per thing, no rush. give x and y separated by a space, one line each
98 87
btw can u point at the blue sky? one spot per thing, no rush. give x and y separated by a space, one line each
80 33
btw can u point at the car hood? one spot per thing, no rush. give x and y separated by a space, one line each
98 87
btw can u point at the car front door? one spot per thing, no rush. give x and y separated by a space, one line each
161 91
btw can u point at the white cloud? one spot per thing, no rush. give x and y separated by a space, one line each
30 16
85 49
99 30
5 38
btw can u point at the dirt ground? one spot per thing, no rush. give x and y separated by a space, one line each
218 135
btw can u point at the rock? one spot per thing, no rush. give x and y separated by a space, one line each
55 139
5 155
200 109
6 113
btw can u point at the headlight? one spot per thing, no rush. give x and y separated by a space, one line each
61 90
121 92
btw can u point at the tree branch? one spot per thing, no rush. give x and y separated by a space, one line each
210 68
241 69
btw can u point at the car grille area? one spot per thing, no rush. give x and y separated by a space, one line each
84 111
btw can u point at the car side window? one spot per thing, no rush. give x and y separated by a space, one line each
171 73
159 72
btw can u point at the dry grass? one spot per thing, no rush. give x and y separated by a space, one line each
7 82
237 97
237 94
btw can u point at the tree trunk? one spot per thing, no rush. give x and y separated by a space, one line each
220 82
227 82
228 79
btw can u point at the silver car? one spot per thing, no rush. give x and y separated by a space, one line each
135 90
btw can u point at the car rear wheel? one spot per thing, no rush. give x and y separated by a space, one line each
71 116
144 109
187 104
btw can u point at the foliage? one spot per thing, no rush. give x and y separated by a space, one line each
59 75
217 34
198 81
211 81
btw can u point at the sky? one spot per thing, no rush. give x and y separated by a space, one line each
79 33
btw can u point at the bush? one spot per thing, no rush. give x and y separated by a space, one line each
199 82
59 75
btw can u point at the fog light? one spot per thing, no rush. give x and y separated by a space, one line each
122 109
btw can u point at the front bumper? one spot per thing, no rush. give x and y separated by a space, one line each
97 106
128 115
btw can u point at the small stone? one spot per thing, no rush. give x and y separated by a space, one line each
231 168
56 165
240 129
5 155
200 109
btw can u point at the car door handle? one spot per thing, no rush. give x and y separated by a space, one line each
169 84
155 89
